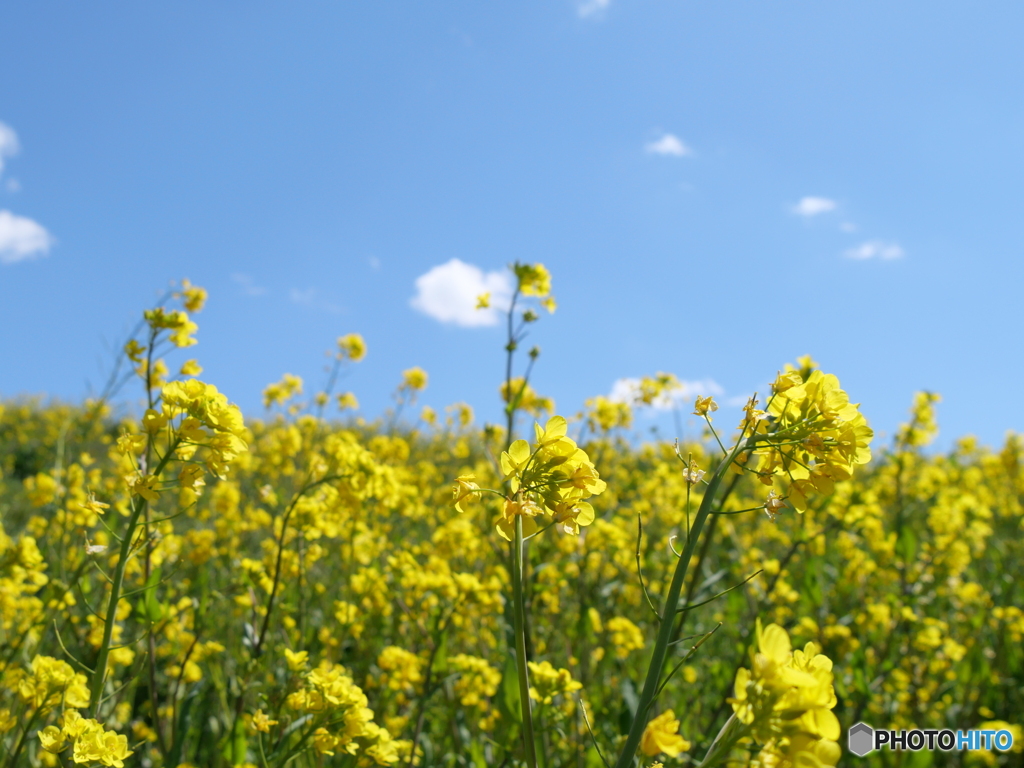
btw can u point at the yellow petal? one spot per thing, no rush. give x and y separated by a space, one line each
774 643
585 514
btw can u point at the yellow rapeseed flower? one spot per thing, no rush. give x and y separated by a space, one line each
532 279
414 379
296 660
705 406
661 736
548 682
352 347
262 722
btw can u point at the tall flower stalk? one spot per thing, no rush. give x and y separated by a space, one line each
808 437
532 280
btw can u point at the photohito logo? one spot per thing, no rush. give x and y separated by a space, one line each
862 739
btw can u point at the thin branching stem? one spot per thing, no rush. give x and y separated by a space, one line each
666 630
639 569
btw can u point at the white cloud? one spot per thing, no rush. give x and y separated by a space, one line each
875 249
848 226
627 390
812 206
21 238
592 8
8 144
310 297
737 401
670 145
374 262
449 293
249 287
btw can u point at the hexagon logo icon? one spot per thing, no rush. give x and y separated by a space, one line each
861 739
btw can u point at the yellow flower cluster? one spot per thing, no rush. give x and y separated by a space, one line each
330 694
91 743
604 415
352 347
414 379
785 701
625 635
335 539
554 479
657 389
176 321
53 683
526 399
548 682
533 280
22 575
207 420
922 427
810 437
282 391
192 296
400 669
477 680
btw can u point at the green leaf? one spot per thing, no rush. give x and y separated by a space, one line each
441 657
593 759
509 700
236 745
148 606
629 696
630 702
476 754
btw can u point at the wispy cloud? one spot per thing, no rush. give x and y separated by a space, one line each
8 144
591 9
875 249
848 226
669 144
628 390
249 287
21 238
737 401
449 292
812 206
310 297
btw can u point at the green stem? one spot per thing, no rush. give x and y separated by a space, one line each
671 603
100 669
724 742
24 737
519 622
439 630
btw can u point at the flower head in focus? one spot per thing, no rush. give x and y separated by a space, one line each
812 437
785 699
554 479
705 406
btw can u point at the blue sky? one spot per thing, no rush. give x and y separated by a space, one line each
717 189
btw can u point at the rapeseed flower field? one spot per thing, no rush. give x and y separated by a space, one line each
191 586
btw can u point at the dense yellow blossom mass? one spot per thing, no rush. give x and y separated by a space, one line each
182 586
